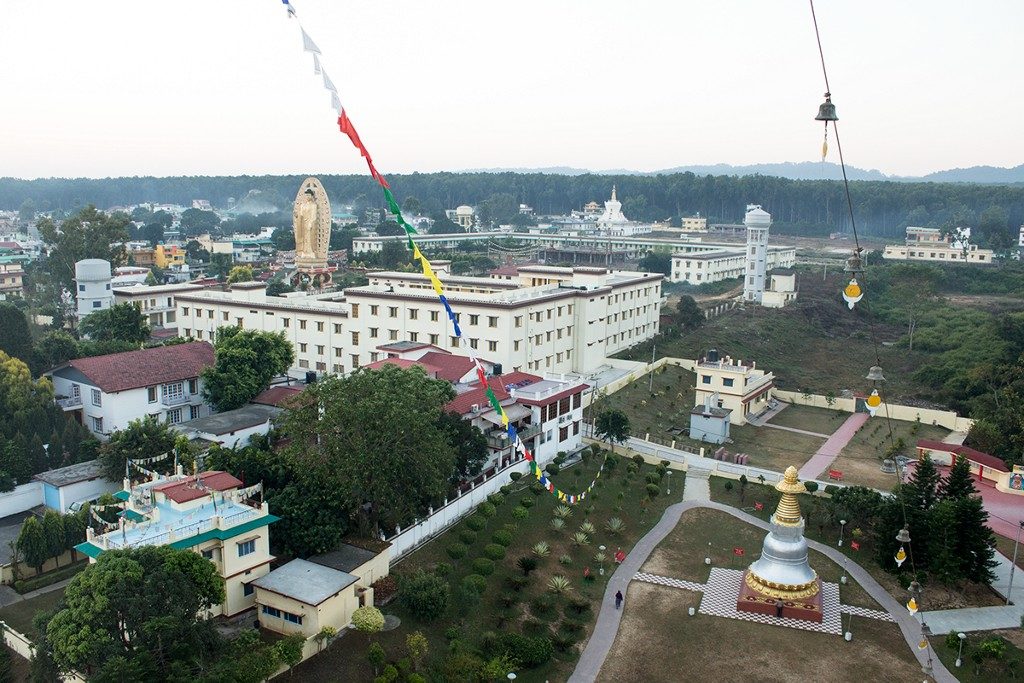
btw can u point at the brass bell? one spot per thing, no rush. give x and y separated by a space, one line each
875 374
903 536
827 110
854 264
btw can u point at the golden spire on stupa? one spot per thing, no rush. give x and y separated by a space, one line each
789 486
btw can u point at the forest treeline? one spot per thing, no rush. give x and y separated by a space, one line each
810 207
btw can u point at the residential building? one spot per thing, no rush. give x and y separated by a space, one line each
929 244
724 264
758 222
92 281
781 290
694 224
105 393
208 513
74 484
549 320
733 385
11 280
464 217
168 256
156 302
144 257
232 427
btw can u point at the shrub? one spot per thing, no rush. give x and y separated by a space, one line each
502 537
530 652
638 459
831 489
425 595
476 523
452 633
631 469
483 566
728 485
456 551
496 499
368 619
475 582
563 642
553 468
542 604
534 626
517 582
652 490
443 569
526 502
537 490
615 526
664 463
558 584
509 599
527 564
579 538
376 655
506 489
652 478
611 462
557 524
467 536
519 512
578 605
563 511
487 509
494 551
588 528
541 549
515 476
565 560
570 626
811 486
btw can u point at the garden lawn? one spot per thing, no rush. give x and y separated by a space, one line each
1005 546
468 620
18 615
808 418
859 461
989 670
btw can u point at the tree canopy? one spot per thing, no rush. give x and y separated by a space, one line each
470 444
612 426
15 339
240 274
246 361
121 322
687 314
89 233
143 438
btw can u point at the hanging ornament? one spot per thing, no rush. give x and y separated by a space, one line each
901 557
824 145
852 293
873 401
912 606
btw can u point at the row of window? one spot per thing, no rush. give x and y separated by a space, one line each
566 405
281 614
563 433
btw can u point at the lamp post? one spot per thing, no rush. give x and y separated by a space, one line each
959 653
668 483
842 528
707 558
602 549
1013 565
511 676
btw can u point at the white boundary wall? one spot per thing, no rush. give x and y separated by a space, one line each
22 498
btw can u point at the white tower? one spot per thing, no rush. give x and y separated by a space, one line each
758 221
92 277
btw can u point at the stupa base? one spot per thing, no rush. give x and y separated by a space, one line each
805 608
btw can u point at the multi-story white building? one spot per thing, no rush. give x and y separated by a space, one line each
92 280
724 264
209 514
758 222
11 280
156 302
549 320
733 385
105 393
929 244
694 224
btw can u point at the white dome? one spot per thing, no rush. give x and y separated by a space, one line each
92 269
464 210
757 217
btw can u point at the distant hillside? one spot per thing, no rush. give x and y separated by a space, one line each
978 174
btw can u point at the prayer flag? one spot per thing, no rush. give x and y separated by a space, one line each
855 545
737 551
309 46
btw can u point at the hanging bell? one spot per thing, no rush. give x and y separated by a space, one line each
903 536
854 264
875 374
827 110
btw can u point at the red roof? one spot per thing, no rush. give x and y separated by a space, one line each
971 454
185 490
505 270
448 366
404 364
276 396
464 402
9 245
146 367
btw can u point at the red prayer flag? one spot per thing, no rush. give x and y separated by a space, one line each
737 551
855 545
759 506
345 124
586 571
620 556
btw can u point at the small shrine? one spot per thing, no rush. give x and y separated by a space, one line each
781 582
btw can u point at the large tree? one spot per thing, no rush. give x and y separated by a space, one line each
15 339
240 274
389 228
656 262
90 233
53 349
121 322
197 221
143 438
470 444
375 439
612 426
688 315
246 361
138 611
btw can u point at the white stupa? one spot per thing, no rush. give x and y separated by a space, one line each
612 216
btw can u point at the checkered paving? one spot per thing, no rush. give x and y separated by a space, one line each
720 601
668 581
865 612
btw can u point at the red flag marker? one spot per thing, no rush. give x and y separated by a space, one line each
855 545
759 506
737 551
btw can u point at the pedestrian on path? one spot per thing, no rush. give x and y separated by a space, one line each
618 599
778 609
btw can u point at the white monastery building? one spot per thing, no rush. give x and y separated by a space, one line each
928 244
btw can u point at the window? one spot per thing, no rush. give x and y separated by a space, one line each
577 400
174 416
193 412
337 369
81 288
519 321
433 316
392 311
492 346
208 553
355 313
433 339
321 366
287 322
374 309
515 345
705 379
184 310
247 589
294 618
393 335
224 316
337 328
97 425
97 397
374 356
727 381
414 313
492 321
319 327
302 347
97 304
414 336
304 364
563 433
337 352
246 547
193 386
474 319
355 361
355 338
151 394
302 324
319 349
271 611
373 333
473 343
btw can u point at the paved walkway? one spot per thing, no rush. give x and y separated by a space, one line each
760 419
795 430
985 618
697 486
608 619
829 451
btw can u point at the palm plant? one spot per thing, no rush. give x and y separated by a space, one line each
559 584
615 525
580 538
557 524
587 528
541 549
563 511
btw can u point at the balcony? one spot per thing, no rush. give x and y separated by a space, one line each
176 400
498 438
70 402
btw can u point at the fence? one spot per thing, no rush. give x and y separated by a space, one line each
22 498
942 418
412 537
24 647
24 571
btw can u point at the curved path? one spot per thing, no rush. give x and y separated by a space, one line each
608 619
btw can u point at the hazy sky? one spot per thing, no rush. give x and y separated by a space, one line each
157 87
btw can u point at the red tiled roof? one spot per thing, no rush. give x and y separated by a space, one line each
478 395
449 366
185 490
145 367
985 459
276 396
504 270
9 245
404 364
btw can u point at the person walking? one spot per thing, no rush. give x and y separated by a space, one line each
618 599
778 609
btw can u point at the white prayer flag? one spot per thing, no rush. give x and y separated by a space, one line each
336 103
307 43
316 65
328 83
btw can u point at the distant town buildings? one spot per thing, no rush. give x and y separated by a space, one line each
156 302
929 244
11 280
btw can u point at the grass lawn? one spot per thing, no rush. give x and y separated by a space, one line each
859 461
655 624
1008 668
469 621
808 418
1005 546
18 615
823 528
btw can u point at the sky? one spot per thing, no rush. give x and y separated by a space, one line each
161 87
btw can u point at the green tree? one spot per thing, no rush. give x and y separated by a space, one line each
656 262
289 650
89 233
246 361
15 339
240 274
144 438
417 645
411 206
195 252
470 444
975 541
688 315
343 436
278 287
220 266
958 483
922 487
143 604
27 211
368 619
393 254
32 543
121 322
426 595
390 228
612 426
53 533
376 656
342 238
197 221
442 225
53 349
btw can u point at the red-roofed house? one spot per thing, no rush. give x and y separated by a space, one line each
988 468
277 396
105 393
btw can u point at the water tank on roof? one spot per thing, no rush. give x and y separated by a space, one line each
712 355
310 377
497 370
756 217
92 270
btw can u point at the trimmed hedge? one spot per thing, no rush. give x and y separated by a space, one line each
483 566
456 551
476 523
494 551
502 537
467 536
475 582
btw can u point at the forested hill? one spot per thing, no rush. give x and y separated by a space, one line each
799 206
